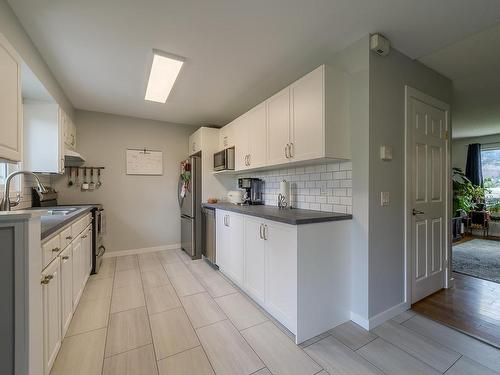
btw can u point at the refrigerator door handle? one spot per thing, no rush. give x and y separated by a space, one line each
179 187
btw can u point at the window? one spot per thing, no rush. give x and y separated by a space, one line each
5 170
490 158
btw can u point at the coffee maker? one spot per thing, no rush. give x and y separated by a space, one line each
254 188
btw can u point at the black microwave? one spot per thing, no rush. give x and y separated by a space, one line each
224 160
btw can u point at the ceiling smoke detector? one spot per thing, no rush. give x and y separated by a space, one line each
380 44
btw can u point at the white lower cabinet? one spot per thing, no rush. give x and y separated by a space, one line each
298 273
63 281
51 300
229 242
255 260
66 288
281 272
77 270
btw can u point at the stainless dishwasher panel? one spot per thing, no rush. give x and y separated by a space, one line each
209 234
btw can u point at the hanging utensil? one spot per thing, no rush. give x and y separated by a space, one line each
92 184
85 184
70 180
99 183
77 177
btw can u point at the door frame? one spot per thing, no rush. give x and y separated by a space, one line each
410 92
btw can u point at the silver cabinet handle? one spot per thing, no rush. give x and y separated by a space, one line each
260 232
69 238
228 223
46 279
417 212
65 257
84 236
265 232
286 151
290 150
55 249
246 160
249 159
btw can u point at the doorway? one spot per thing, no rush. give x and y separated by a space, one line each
427 195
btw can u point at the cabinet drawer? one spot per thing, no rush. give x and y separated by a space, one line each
79 226
66 237
50 249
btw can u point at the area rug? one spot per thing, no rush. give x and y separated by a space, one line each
478 258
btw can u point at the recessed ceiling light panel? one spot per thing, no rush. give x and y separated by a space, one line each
164 71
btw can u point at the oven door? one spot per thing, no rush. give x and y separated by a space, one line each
220 160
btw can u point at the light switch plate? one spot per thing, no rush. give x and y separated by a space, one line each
384 198
386 152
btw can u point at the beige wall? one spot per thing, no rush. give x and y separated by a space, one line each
11 28
142 211
459 148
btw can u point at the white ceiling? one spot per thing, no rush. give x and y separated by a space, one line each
474 66
238 52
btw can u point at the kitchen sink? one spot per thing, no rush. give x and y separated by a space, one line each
60 211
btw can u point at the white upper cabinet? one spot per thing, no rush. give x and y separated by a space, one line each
307 130
308 120
240 136
255 122
226 136
69 131
278 127
10 103
250 138
43 136
195 142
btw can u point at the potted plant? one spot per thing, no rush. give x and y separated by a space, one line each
466 196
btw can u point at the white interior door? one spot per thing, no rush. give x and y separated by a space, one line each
427 191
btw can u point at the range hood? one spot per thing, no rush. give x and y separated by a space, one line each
73 158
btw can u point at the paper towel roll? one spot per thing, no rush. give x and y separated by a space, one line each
285 192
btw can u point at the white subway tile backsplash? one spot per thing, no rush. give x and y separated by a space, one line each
333 167
315 206
323 187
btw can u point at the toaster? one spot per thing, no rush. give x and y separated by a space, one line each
236 196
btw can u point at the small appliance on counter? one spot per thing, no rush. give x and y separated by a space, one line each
236 196
224 160
254 188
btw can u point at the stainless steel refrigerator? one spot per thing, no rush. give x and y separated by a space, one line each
190 209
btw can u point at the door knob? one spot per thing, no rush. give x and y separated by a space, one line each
417 212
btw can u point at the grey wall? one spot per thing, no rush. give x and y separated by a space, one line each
388 77
459 148
15 34
142 211
355 61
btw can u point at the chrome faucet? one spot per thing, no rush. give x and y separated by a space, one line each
5 203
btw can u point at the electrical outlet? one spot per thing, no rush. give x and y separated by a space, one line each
384 198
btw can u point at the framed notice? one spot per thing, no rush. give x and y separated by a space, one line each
144 162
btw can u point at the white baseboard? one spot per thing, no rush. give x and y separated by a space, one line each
360 321
388 314
110 254
380 318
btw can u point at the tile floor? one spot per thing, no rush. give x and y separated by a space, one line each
162 313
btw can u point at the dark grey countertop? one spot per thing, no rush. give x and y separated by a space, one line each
292 216
52 223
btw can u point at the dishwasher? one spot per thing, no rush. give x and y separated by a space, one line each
208 249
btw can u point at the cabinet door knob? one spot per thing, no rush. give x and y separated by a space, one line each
55 249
